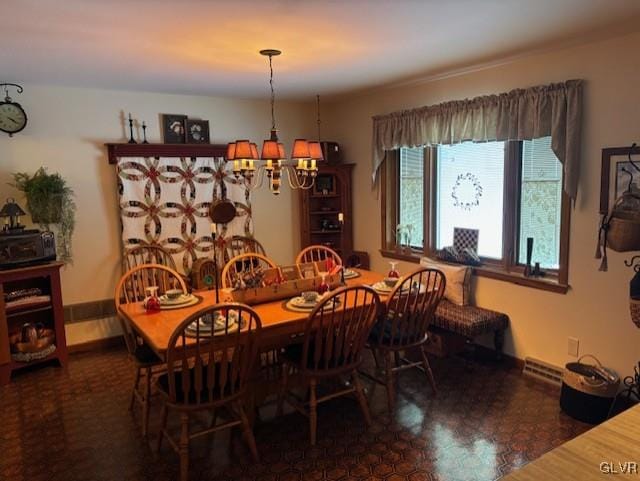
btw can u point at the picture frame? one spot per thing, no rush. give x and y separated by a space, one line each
173 128
197 131
613 178
324 185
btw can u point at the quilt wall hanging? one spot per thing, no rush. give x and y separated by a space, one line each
165 201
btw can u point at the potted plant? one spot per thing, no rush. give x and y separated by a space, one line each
50 201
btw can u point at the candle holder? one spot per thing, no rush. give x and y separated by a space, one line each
144 133
131 139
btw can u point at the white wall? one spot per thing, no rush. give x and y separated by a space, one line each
66 132
596 308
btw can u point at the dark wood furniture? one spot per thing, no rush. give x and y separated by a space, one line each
209 373
411 306
332 347
321 206
47 278
132 288
114 151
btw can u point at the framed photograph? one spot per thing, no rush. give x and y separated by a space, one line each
197 131
324 185
618 174
173 128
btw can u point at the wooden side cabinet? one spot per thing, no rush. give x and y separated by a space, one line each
325 212
45 313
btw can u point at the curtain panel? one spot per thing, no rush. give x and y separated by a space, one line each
550 110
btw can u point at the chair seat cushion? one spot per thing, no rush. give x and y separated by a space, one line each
203 395
145 355
469 321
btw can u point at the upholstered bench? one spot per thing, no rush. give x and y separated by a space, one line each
470 322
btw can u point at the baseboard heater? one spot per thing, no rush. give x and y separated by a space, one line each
542 371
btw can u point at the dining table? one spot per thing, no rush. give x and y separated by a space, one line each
279 324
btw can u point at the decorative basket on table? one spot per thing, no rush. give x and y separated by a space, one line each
283 282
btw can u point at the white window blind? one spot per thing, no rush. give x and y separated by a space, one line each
412 193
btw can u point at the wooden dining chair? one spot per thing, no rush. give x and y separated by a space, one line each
147 254
237 245
210 373
334 337
411 306
317 253
132 288
244 263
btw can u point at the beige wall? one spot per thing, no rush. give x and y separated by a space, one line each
596 308
66 132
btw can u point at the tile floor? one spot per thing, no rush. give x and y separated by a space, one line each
486 421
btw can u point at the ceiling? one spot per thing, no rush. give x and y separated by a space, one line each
329 47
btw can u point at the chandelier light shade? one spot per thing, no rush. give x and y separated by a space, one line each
300 149
231 151
315 151
271 150
243 150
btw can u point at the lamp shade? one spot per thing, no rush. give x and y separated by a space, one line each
315 151
243 149
231 151
270 150
254 151
300 149
11 209
281 152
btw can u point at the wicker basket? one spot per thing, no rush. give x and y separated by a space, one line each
623 234
45 339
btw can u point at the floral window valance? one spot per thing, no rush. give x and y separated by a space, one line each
550 110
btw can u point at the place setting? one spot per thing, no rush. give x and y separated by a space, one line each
307 301
207 326
171 299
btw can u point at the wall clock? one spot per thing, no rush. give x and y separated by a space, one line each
13 118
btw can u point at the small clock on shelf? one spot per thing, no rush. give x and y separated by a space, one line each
13 118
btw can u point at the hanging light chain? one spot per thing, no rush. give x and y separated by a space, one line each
273 95
318 109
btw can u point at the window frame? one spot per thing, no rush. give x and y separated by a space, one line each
506 269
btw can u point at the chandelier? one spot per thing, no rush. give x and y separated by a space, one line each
300 171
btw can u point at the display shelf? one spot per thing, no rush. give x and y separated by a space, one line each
46 277
25 312
318 208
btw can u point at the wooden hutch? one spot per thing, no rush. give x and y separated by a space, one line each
325 209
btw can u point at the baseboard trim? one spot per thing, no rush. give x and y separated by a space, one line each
97 345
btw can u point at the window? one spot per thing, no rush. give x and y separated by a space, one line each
508 191
469 193
411 199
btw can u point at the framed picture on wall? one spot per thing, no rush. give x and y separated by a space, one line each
197 131
618 174
173 128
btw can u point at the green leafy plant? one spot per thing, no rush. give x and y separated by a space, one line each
50 201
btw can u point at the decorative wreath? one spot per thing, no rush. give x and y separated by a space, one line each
477 188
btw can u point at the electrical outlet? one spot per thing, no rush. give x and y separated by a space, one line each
573 346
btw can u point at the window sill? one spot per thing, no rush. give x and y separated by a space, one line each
550 284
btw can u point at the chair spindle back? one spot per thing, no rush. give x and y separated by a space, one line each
242 264
213 369
337 329
411 306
